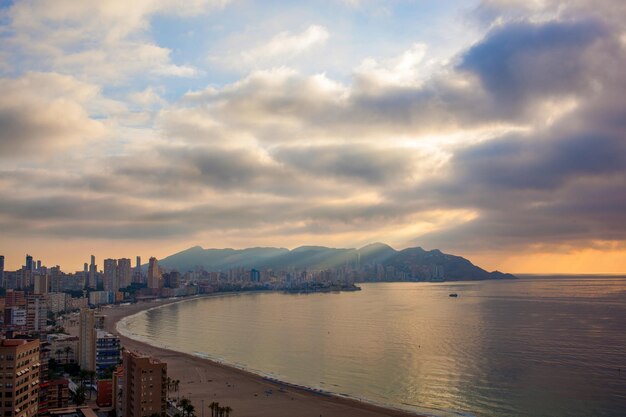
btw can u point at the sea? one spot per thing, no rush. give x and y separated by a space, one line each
535 346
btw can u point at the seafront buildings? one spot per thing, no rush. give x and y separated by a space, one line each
145 385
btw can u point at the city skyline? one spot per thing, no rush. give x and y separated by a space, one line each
491 129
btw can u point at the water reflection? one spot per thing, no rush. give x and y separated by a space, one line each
540 347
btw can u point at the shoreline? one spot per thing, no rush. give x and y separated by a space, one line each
247 392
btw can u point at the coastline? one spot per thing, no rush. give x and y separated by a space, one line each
248 393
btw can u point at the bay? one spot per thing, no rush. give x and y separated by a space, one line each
540 346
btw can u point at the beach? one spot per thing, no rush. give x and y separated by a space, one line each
204 381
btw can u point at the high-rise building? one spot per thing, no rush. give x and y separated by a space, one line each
154 274
20 386
145 384
137 276
41 284
93 270
29 263
2 283
36 312
123 272
38 265
107 352
87 340
110 280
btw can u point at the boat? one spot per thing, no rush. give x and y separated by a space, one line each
454 295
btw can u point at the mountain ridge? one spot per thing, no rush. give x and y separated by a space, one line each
376 262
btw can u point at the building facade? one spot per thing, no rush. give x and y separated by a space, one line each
20 361
107 352
87 340
145 385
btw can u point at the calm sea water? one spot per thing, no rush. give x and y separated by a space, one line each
530 347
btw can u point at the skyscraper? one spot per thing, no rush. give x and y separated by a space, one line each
145 383
110 281
154 274
137 275
29 263
123 272
20 360
87 340
92 273
2 283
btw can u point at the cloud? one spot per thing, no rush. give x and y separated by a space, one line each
286 44
515 143
40 112
281 49
95 41
404 70
524 61
356 161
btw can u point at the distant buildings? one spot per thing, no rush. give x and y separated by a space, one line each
155 280
2 283
20 386
93 270
145 385
137 276
124 273
110 279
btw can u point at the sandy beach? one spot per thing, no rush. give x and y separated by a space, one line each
246 393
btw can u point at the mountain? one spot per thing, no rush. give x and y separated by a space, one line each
376 261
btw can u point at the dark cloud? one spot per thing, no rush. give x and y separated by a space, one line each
522 62
358 161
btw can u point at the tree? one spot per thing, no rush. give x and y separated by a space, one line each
67 351
184 403
80 395
92 376
176 384
190 410
58 352
83 375
227 410
213 406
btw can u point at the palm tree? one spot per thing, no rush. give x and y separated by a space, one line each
58 352
83 376
184 403
176 384
227 410
169 384
213 406
92 376
79 395
68 350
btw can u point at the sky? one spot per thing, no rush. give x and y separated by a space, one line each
493 129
